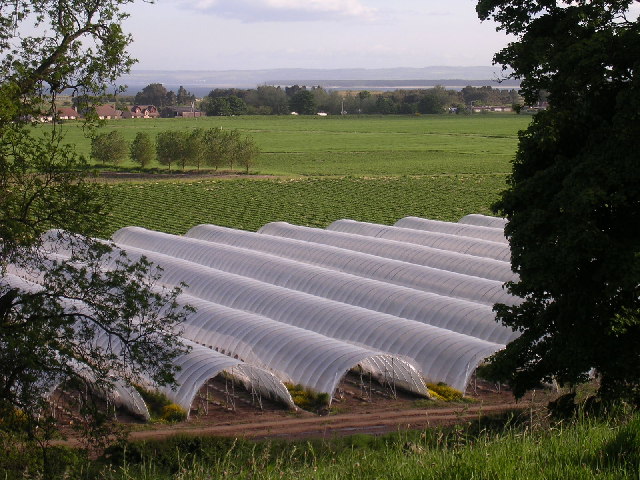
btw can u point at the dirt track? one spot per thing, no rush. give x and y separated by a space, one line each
336 425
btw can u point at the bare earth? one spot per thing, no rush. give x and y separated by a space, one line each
350 415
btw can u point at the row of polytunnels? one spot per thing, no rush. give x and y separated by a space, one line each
289 305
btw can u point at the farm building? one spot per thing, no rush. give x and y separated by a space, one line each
402 305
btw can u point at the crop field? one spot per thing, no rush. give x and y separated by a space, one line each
176 206
373 168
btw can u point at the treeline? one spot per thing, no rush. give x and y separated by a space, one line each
211 148
270 100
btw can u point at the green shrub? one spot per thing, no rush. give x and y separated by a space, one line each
308 399
442 391
173 413
156 402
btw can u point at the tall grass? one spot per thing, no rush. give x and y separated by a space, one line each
585 449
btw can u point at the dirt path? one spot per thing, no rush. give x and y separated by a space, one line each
336 425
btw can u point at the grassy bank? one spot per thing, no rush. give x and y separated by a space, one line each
586 449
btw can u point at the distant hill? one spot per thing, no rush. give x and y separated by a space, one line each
200 82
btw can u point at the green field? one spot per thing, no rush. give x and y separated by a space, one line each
373 168
176 206
353 145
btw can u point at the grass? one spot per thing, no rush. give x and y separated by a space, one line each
508 448
352 145
586 449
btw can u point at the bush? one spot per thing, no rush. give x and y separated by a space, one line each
442 391
173 413
308 399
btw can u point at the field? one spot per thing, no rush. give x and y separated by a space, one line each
358 145
314 170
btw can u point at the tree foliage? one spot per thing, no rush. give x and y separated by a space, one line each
48 330
573 200
156 94
142 149
303 102
109 147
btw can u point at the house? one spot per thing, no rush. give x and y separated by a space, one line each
185 112
67 113
106 112
142 111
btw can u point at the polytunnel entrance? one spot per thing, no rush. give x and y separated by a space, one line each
68 399
364 384
232 392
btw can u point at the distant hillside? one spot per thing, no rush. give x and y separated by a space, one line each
201 82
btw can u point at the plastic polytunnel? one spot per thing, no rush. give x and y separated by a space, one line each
440 354
340 250
484 221
293 354
120 394
201 364
462 316
445 241
461 229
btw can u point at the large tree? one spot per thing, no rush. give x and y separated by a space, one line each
573 199
47 329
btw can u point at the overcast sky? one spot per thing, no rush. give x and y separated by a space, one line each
260 34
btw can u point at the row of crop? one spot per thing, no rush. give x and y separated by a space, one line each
174 207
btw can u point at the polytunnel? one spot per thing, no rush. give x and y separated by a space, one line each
120 394
435 309
202 364
441 355
338 250
460 229
444 241
293 354
484 221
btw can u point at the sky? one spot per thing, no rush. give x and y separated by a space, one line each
266 34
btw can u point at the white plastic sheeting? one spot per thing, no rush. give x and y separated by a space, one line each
196 368
121 394
454 314
484 221
293 354
441 355
202 364
342 251
463 230
444 241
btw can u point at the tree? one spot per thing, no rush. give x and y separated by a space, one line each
216 107
184 97
170 148
155 94
247 153
109 148
303 102
215 147
237 106
435 100
573 199
46 48
142 150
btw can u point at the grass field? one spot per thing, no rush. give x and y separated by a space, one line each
373 168
353 145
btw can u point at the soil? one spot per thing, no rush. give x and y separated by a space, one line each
358 408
